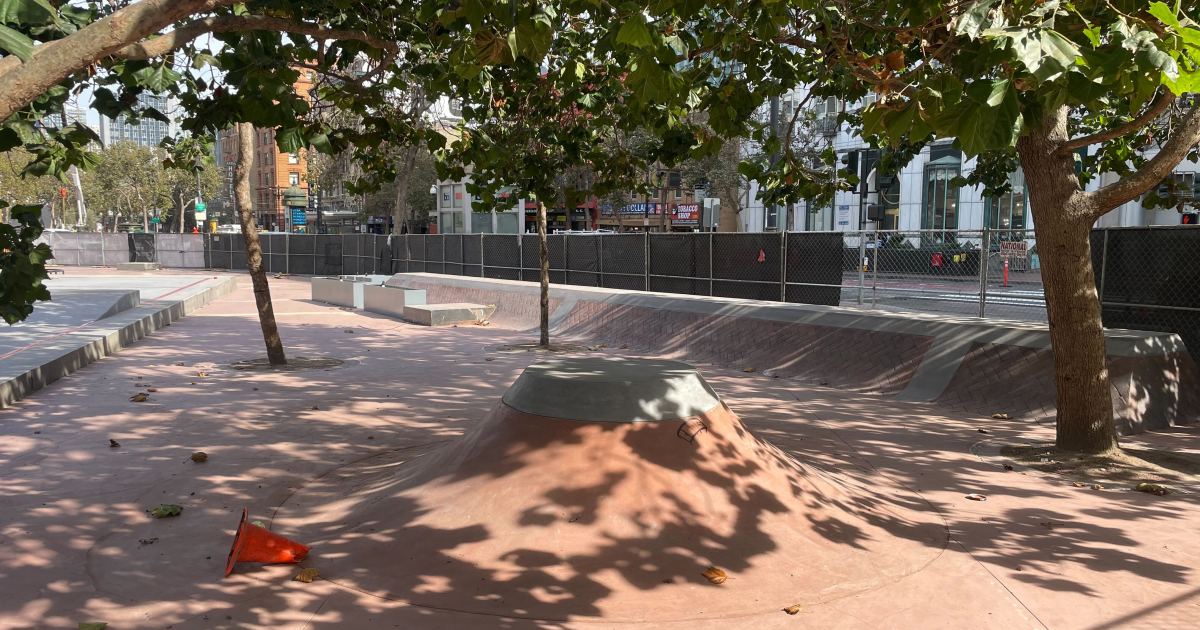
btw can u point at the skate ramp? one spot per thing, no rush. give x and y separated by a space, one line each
969 364
608 500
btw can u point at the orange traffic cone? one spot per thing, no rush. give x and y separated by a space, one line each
252 543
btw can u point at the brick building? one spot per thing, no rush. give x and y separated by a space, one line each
274 171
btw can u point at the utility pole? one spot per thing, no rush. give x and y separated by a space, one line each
774 122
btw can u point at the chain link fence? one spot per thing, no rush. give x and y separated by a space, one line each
1143 275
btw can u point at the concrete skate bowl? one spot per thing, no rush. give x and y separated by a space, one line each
981 367
612 514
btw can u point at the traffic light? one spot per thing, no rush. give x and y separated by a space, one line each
1189 218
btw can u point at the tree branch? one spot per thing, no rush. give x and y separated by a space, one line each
52 62
1184 138
165 43
1160 105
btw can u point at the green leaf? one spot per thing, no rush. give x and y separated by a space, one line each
289 139
15 43
27 12
92 625
634 32
165 510
971 22
1164 14
158 78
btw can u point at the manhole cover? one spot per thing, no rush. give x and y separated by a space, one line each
293 364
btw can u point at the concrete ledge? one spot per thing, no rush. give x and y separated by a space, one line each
387 300
138 266
983 366
447 314
609 389
54 360
343 290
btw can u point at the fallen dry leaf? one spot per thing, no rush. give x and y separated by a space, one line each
306 575
976 497
715 575
1152 488
147 541
1008 467
484 323
316 408
152 389
349 331
793 609
1078 484
748 370
113 443
1001 416
199 457
201 374
983 431
139 397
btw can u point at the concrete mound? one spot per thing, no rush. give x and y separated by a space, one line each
604 489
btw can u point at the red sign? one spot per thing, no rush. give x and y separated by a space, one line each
686 214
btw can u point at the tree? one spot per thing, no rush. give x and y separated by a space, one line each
258 275
1028 83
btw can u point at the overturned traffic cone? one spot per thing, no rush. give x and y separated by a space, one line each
252 543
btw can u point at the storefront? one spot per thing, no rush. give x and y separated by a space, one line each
583 217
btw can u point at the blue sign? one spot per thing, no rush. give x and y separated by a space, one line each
298 216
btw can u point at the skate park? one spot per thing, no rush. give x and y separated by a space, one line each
438 483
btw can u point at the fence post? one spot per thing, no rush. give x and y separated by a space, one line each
600 257
783 264
875 273
711 253
103 262
984 257
1103 267
862 256
566 259
521 257
482 274
646 262
287 254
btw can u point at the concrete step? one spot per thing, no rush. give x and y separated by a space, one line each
343 290
387 300
138 266
447 314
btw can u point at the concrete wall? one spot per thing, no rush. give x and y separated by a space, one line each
92 249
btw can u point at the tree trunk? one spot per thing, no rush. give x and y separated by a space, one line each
1063 226
544 275
403 182
258 276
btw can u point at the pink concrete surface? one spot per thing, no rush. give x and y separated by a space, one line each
76 544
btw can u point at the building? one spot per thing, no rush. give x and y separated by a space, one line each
921 196
147 132
278 179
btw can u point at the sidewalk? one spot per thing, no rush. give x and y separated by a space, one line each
76 544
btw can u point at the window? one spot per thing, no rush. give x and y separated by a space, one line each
293 179
679 193
450 223
458 195
446 191
294 158
1008 211
940 206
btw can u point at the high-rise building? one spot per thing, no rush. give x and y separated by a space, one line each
146 131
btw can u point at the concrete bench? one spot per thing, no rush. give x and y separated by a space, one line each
343 290
447 314
391 301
